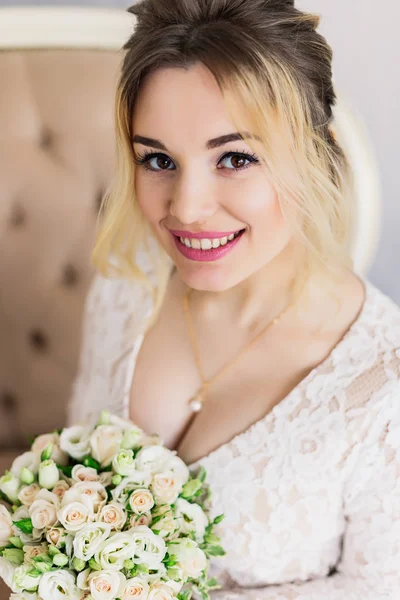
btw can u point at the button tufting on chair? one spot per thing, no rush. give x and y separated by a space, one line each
38 340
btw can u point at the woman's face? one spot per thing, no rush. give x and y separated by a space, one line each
195 181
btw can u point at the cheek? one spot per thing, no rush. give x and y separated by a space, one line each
150 196
259 204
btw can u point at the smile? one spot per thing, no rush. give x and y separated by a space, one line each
207 249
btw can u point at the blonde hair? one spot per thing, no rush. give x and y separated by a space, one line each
272 66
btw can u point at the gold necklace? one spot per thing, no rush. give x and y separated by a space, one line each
196 403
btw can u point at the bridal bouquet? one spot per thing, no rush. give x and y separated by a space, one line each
105 513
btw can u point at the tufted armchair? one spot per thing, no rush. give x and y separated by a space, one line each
58 68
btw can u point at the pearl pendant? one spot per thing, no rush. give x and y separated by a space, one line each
196 404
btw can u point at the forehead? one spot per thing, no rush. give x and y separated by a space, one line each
181 106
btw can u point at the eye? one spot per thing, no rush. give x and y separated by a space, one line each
153 161
237 161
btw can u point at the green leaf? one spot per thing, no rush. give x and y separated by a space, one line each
211 538
214 551
47 452
211 583
89 461
218 519
67 470
190 488
25 525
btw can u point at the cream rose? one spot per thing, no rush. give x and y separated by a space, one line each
93 490
136 588
178 467
56 536
28 493
105 443
113 552
58 585
166 487
122 491
160 591
41 443
149 548
191 517
75 441
6 526
27 460
137 520
60 488
48 474
152 459
76 515
113 514
106 584
167 526
191 559
141 501
24 596
43 513
82 581
81 473
10 486
31 552
105 478
89 539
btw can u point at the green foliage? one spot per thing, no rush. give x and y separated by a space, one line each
25 525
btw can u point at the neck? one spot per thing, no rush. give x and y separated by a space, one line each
258 299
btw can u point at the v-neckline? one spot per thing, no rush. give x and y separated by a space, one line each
282 404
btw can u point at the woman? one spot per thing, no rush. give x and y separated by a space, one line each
227 317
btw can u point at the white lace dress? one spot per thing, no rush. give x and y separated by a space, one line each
310 492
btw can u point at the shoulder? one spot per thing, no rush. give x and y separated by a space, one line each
381 319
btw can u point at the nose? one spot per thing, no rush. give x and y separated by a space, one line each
193 199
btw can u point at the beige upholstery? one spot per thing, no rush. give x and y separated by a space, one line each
56 159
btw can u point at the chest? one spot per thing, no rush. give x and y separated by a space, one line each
166 378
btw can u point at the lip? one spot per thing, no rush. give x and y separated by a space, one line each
207 255
209 235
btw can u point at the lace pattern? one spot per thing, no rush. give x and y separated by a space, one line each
310 492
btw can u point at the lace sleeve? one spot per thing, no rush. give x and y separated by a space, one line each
369 568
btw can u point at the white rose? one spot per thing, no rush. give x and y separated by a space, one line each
177 466
141 501
58 585
27 460
43 513
167 527
137 520
48 474
191 559
24 596
41 443
31 552
122 491
124 464
6 526
75 441
191 518
166 487
88 540
82 473
105 443
10 486
76 515
161 591
149 548
23 581
152 459
7 571
113 552
60 488
113 514
106 584
28 493
136 588
82 581
93 490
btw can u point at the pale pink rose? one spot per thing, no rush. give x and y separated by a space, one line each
31 552
113 514
6 525
136 588
60 488
137 520
141 501
166 487
105 443
28 493
82 473
106 584
75 515
105 478
93 490
43 514
160 591
56 535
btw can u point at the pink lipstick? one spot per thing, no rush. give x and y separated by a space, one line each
206 255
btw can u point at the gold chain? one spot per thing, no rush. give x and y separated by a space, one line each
197 401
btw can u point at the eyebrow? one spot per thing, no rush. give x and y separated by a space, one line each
210 145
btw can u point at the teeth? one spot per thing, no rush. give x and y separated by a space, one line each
207 244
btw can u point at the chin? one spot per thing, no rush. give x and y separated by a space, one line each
201 280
